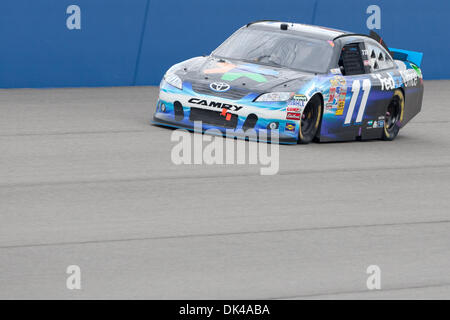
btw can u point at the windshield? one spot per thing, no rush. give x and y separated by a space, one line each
277 49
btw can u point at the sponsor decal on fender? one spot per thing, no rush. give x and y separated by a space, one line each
300 97
290 127
375 124
410 77
293 116
298 100
341 102
331 95
337 94
336 71
337 80
340 108
387 82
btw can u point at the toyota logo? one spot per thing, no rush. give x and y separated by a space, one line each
219 86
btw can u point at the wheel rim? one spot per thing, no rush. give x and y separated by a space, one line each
308 119
393 113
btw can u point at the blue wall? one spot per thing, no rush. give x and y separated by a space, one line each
132 42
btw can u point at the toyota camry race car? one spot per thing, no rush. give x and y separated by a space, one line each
296 82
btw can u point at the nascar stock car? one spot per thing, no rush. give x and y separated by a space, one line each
301 82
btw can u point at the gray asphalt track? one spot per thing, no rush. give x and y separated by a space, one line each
85 180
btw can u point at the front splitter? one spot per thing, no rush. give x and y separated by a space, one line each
252 135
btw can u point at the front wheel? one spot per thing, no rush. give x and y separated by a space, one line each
310 121
394 116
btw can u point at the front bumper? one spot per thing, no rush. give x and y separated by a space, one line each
234 118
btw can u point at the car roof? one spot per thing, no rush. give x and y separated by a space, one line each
318 32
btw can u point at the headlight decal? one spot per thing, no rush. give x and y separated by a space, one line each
173 80
274 96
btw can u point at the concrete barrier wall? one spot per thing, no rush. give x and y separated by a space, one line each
58 43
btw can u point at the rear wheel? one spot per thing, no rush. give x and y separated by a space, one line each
394 116
310 120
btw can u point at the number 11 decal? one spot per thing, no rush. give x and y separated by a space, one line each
356 87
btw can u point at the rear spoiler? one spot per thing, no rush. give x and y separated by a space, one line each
406 55
399 54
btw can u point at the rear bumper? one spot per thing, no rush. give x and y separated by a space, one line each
185 109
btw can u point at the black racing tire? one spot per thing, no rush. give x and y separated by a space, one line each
394 116
310 120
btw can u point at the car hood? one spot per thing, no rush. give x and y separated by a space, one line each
241 75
